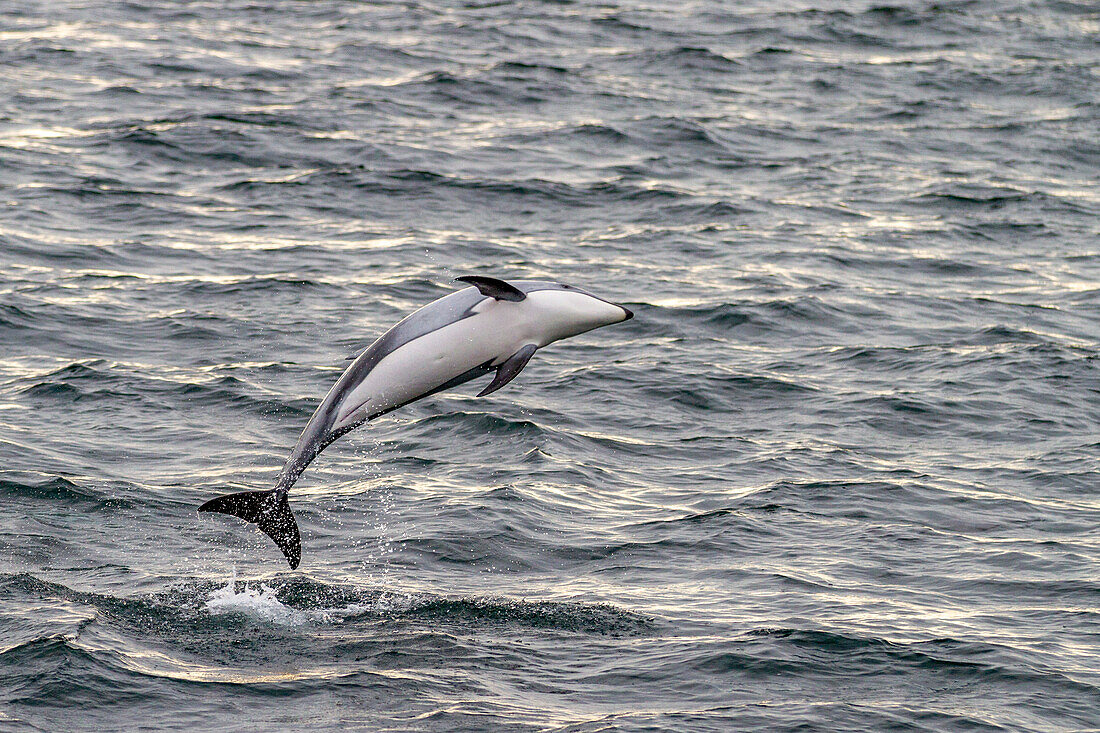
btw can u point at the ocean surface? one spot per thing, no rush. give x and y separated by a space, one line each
841 471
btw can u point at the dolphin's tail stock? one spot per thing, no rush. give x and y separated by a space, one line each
269 510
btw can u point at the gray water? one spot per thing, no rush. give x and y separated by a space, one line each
839 473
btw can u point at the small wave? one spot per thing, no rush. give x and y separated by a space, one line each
253 285
462 90
681 58
582 135
14 317
56 491
234 392
479 426
712 212
844 653
977 195
55 649
608 190
97 380
261 119
680 131
763 317
521 70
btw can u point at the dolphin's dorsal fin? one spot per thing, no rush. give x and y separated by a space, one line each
494 288
507 371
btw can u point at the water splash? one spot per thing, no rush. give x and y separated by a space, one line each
260 605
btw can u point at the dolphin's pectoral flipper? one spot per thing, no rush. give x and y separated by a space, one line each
270 511
494 288
507 371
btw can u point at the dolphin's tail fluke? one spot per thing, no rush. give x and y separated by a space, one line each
269 510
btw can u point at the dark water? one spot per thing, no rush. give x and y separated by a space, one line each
840 472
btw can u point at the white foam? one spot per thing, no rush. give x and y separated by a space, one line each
261 604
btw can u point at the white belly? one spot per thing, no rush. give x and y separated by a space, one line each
427 362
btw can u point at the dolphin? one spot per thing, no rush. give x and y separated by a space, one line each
492 326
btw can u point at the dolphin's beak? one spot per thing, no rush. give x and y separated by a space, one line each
629 313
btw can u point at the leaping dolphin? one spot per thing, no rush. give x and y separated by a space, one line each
492 326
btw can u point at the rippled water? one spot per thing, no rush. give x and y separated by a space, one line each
838 473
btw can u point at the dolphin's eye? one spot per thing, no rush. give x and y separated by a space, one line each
565 287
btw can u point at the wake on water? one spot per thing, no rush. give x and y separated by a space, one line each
262 604
327 605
